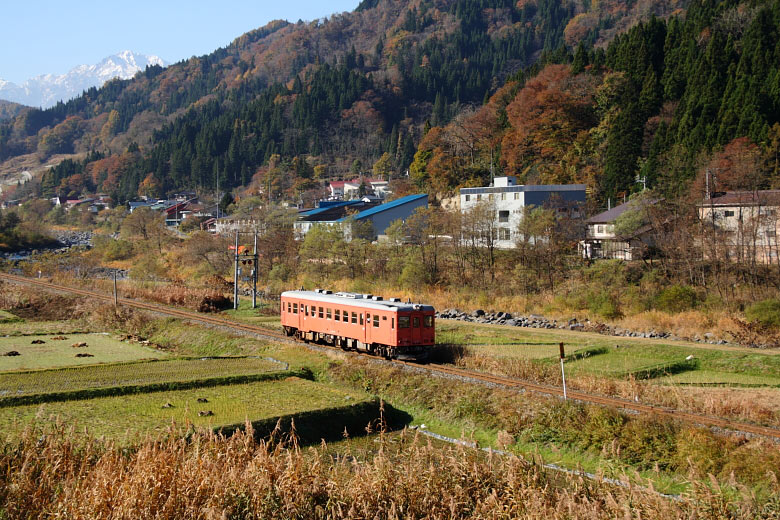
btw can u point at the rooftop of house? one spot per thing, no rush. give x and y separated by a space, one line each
386 207
523 187
744 198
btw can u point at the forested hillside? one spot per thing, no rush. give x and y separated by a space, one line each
291 102
661 102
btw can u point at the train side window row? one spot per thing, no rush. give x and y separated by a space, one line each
292 308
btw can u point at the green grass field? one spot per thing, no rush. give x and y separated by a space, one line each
7 317
130 417
716 363
60 353
21 327
246 314
713 377
136 374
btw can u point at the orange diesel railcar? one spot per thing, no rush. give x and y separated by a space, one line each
363 322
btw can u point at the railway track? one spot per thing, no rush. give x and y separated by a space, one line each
631 406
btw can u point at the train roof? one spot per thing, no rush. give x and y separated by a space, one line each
367 301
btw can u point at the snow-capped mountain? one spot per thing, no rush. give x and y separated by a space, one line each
46 90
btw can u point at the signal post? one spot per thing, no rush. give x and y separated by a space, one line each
242 261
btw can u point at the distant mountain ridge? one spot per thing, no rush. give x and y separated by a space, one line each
47 89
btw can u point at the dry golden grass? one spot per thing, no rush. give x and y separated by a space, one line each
209 477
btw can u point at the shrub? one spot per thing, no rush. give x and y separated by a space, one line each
604 304
676 298
765 313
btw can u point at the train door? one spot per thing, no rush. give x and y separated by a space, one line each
365 325
416 329
304 313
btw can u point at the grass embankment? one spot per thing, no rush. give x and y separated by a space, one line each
734 382
58 351
598 439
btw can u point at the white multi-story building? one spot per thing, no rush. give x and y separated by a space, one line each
508 199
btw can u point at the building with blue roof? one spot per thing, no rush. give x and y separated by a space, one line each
380 217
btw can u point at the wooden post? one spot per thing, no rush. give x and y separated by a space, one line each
116 293
235 275
563 372
254 276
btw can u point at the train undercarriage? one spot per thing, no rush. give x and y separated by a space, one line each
404 353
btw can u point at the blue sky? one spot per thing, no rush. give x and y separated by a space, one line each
53 36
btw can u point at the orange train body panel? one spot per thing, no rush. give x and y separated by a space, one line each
360 322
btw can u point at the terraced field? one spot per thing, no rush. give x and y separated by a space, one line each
617 357
14 384
54 352
128 418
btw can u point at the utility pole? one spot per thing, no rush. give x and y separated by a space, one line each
235 275
254 275
563 372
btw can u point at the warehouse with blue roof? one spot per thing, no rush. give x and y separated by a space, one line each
380 217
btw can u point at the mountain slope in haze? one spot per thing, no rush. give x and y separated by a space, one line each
48 89
9 110
288 100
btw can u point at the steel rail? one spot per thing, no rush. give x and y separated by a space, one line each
614 402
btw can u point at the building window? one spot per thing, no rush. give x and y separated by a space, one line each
600 230
504 234
479 196
503 196
403 322
468 198
728 213
503 216
517 196
490 196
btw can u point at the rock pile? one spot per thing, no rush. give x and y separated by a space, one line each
535 321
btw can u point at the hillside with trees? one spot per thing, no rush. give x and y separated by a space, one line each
292 102
662 102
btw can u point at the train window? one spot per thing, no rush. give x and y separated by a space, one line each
403 322
384 318
327 313
337 316
416 322
289 307
392 323
428 321
306 310
295 308
321 312
345 314
354 318
313 311
376 320
361 318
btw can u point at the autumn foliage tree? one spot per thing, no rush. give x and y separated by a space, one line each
546 117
